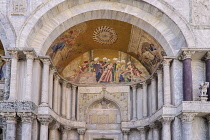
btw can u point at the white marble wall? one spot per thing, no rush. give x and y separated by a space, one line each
200 129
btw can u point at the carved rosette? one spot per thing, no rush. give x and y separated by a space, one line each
81 131
187 117
187 55
45 120
125 131
27 117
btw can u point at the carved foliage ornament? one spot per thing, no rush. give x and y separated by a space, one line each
188 117
105 35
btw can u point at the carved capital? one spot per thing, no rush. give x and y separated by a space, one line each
45 119
142 130
74 87
27 117
166 62
125 131
68 85
154 125
46 61
29 54
159 72
166 120
6 59
14 54
207 55
187 55
52 70
81 131
208 118
56 77
187 117
55 125
10 117
134 87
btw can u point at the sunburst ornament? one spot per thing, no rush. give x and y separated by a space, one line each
105 35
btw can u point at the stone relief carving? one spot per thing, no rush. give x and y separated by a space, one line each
19 7
86 99
200 12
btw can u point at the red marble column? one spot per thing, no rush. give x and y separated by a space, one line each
208 72
187 75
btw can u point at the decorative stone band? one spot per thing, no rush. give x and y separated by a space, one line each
54 125
166 120
187 117
10 117
125 131
81 131
186 55
26 117
18 106
45 119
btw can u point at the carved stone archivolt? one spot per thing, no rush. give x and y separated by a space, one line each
87 99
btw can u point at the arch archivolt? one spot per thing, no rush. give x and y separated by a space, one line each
170 32
87 99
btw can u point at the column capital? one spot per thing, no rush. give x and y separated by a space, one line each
10 117
57 77
81 131
68 85
159 71
166 61
74 87
125 131
208 118
14 54
187 117
46 61
55 125
52 70
27 117
29 54
134 86
186 54
154 125
166 120
6 59
45 119
142 130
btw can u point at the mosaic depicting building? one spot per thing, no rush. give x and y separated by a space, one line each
104 69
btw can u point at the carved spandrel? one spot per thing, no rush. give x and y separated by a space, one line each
19 7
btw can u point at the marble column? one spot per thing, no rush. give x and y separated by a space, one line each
55 93
7 78
59 97
187 130
50 99
166 81
27 120
65 131
142 131
68 102
29 74
207 60
166 128
13 79
45 81
187 75
134 102
53 128
11 126
63 111
160 87
74 102
144 100
44 120
154 96
125 133
81 132
155 131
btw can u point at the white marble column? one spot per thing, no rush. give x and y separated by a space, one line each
27 120
144 100
13 81
74 102
63 112
142 131
53 134
65 131
208 119
81 133
134 102
166 128
187 130
68 102
59 97
155 131
52 71
29 74
11 126
153 93
55 93
7 78
44 120
166 81
160 87
125 133
45 81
